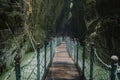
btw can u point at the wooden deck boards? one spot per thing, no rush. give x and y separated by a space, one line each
63 67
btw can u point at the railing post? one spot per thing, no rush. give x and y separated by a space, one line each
17 67
38 61
77 53
83 63
51 52
114 65
69 48
74 50
45 52
68 44
91 60
54 46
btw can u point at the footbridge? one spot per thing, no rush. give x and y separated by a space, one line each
64 58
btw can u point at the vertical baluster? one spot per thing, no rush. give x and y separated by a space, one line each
38 61
83 63
54 46
75 50
91 61
17 67
49 49
69 47
72 48
114 65
51 52
77 53
45 48
55 42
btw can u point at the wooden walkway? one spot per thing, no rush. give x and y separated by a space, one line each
63 67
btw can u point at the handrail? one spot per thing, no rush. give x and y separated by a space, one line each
101 61
103 74
24 68
48 59
106 65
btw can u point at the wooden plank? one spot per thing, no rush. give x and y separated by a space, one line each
63 67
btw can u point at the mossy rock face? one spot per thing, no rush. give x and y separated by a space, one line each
48 13
11 27
105 7
37 19
90 10
103 26
105 34
3 19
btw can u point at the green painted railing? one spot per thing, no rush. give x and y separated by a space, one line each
90 63
38 65
86 59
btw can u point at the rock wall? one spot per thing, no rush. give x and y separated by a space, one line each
11 31
23 22
42 20
102 19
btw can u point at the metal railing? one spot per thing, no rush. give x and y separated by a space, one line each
88 60
37 66
90 63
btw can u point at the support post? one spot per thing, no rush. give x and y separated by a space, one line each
38 61
45 52
70 47
83 63
77 45
74 50
91 60
51 52
68 43
54 46
114 65
17 67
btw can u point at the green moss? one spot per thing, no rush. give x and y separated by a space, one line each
26 58
4 74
